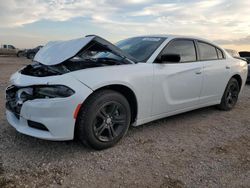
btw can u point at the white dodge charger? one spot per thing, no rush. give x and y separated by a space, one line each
94 90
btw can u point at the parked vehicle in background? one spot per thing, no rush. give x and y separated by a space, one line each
233 53
95 90
246 55
22 53
7 49
30 53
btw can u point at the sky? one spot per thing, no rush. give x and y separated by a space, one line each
28 23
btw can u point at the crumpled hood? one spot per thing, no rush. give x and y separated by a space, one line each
57 52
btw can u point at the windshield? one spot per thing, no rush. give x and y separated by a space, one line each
141 48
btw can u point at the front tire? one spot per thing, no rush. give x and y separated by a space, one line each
103 119
230 96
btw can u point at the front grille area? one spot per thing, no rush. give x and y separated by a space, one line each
16 96
12 101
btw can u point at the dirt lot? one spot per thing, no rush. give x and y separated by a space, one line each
202 148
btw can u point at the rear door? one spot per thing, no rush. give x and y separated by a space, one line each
216 72
177 85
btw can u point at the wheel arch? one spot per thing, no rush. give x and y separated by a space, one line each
239 79
128 93
223 105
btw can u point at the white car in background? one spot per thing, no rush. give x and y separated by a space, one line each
237 55
95 90
233 53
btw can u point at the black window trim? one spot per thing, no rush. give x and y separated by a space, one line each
216 48
176 39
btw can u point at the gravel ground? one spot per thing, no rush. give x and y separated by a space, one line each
202 148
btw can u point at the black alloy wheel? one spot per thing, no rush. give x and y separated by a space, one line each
230 96
103 119
110 121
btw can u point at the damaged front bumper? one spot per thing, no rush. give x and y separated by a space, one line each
55 123
47 118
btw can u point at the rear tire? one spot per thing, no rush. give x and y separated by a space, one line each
19 54
103 119
230 96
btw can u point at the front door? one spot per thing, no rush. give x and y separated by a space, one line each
177 86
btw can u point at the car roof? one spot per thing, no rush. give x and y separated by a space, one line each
171 36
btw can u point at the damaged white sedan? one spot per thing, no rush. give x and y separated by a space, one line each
94 90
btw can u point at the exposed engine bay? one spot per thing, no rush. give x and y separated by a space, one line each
40 70
92 55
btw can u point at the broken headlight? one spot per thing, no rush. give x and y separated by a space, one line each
52 91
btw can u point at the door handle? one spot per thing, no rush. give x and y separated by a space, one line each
227 67
198 72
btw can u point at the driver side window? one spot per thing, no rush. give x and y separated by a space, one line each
183 47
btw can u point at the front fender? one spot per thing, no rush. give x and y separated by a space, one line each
137 77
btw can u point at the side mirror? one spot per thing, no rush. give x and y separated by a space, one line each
174 58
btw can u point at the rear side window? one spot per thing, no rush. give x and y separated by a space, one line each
220 54
185 48
207 51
